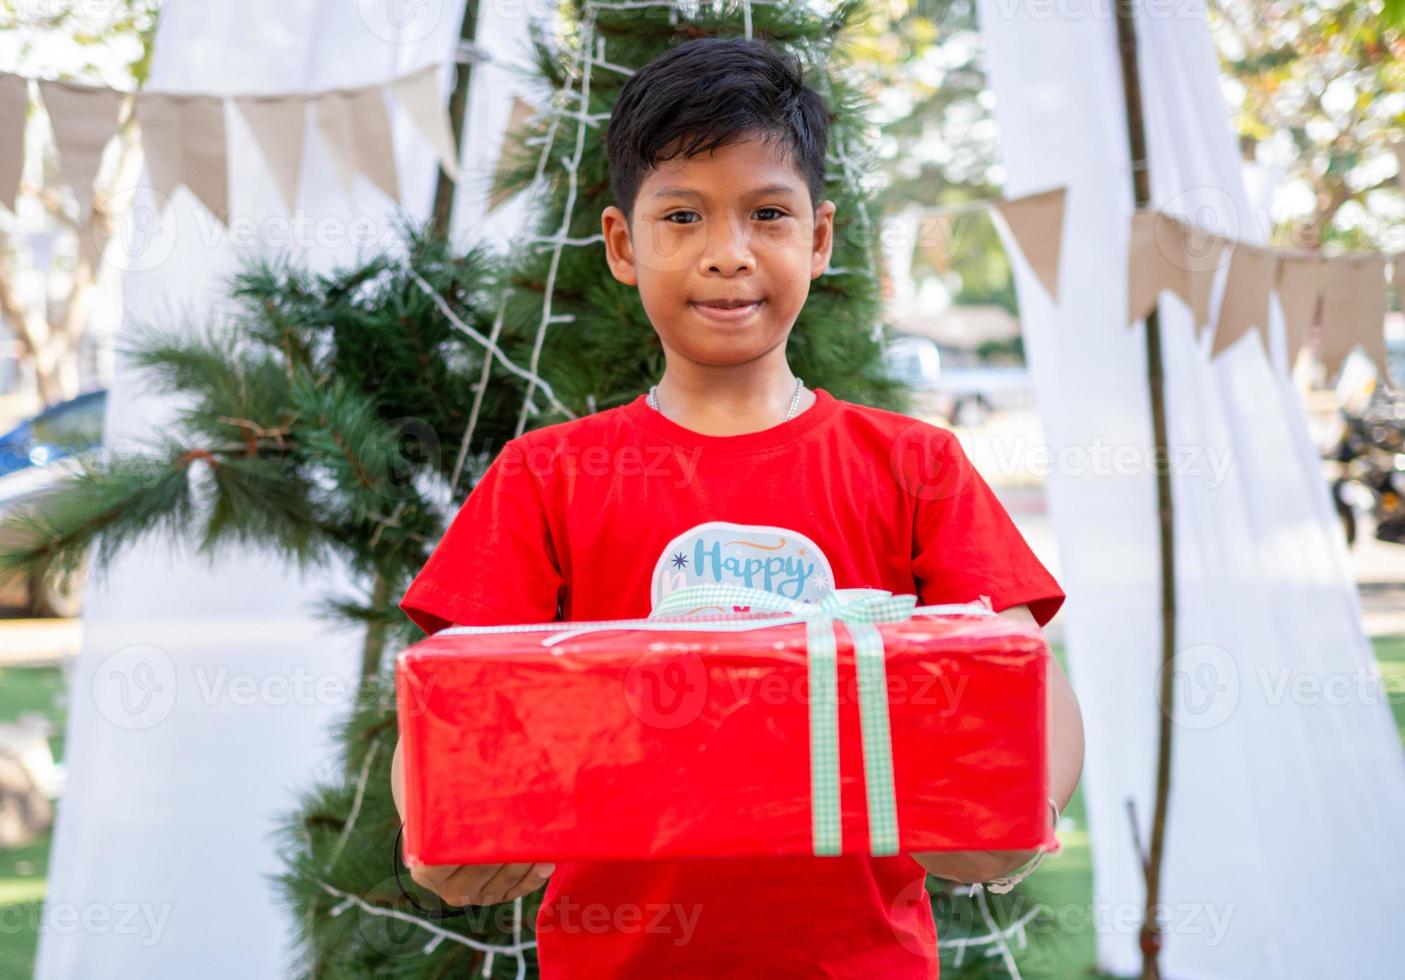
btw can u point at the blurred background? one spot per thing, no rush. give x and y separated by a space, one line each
1312 107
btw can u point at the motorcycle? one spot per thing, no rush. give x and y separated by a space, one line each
1371 457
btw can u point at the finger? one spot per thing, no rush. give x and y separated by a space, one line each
436 875
508 877
469 884
426 876
458 883
464 885
533 879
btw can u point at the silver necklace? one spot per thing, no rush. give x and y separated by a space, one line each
794 399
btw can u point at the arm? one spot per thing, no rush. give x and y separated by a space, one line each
503 517
1065 767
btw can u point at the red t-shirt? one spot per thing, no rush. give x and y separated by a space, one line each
597 517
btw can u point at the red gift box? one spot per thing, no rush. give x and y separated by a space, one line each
622 743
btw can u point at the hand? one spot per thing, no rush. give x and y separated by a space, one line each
969 867
467 884
480 884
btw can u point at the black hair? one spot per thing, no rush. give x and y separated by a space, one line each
707 93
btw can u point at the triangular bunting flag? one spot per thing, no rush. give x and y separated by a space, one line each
158 115
1353 310
1298 283
1147 268
1202 253
418 92
1167 253
375 147
205 153
1373 308
1397 276
1339 313
278 124
84 118
183 138
517 123
333 118
14 104
1036 221
1246 294
355 128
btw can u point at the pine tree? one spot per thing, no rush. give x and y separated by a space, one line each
348 414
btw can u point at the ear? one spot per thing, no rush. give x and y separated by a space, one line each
619 250
823 244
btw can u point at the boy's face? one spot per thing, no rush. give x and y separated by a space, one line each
733 225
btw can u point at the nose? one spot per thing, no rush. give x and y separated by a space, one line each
729 248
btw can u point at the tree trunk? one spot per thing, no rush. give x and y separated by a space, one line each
458 102
53 341
374 646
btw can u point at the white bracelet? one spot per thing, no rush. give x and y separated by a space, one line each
1003 884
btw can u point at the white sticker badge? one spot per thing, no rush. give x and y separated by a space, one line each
773 559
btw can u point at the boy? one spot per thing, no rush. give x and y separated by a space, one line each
729 470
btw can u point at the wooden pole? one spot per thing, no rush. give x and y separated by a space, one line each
443 209
1150 935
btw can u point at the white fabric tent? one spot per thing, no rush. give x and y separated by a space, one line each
204 695
1284 853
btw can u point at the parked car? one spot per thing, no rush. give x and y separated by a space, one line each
915 361
34 456
54 433
961 387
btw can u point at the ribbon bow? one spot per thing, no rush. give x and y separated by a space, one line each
860 610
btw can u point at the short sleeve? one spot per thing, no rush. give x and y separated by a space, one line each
965 544
495 564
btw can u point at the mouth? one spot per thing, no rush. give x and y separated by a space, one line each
728 310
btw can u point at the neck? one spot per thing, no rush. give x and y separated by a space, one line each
730 400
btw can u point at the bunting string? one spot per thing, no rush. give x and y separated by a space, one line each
1341 296
185 136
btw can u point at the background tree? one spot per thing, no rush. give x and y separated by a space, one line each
920 63
1318 90
46 301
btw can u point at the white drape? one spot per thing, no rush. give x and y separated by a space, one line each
1284 853
203 696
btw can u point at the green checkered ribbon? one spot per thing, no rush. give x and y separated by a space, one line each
860 610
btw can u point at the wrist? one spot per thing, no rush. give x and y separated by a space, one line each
1001 883
1003 863
969 867
1001 869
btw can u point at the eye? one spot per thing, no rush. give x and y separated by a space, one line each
776 211
679 214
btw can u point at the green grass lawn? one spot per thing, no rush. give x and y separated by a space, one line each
1390 653
22 869
1062 883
